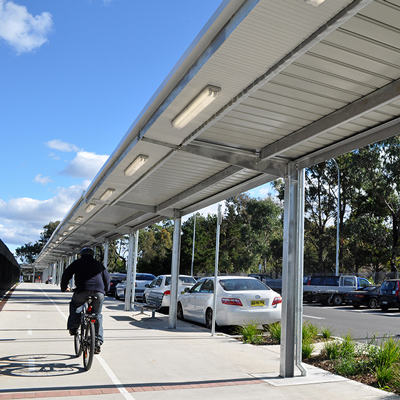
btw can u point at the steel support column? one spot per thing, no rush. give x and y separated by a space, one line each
106 248
135 253
292 272
128 288
176 252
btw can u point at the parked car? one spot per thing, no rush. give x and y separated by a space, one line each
162 287
240 301
390 294
331 289
367 296
142 279
115 278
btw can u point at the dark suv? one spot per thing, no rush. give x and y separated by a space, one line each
390 294
115 278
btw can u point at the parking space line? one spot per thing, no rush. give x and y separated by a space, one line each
309 316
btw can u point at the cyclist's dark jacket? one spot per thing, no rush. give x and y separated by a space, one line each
89 275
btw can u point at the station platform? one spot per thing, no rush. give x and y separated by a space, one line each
143 359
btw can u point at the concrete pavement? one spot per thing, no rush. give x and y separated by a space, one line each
142 359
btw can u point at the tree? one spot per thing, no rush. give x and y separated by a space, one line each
29 251
155 248
379 165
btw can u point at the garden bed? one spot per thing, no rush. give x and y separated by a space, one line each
374 364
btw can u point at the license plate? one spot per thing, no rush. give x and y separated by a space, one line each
257 303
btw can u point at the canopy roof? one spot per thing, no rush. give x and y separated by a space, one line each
297 84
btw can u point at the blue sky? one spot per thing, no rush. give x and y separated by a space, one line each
75 76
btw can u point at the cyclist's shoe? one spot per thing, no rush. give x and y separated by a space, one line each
97 349
73 331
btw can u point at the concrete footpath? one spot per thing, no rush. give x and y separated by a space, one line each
142 359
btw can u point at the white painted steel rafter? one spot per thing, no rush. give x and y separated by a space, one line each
364 105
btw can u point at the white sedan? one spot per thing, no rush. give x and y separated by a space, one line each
161 286
240 301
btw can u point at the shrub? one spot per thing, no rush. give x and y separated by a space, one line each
327 332
385 375
385 355
306 349
309 331
250 333
275 331
331 350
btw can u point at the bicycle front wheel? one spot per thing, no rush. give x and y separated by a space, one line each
78 342
88 345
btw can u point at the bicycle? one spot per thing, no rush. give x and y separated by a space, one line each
85 340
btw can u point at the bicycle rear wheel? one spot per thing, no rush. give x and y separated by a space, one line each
88 345
78 342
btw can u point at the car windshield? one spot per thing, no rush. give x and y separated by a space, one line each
231 285
182 279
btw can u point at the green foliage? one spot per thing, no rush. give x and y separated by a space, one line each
307 349
327 332
386 354
28 252
386 375
275 331
250 333
309 331
331 350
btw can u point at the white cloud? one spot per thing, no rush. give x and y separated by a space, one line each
44 180
21 30
85 165
57 144
22 219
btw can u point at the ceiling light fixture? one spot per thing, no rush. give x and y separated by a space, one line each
196 106
71 227
90 207
78 219
107 194
314 3
137 163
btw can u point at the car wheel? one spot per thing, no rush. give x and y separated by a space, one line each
209 318
337 300
373 303
180 312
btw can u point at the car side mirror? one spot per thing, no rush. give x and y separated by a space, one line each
146 285
186 290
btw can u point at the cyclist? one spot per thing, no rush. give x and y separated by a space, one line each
91 279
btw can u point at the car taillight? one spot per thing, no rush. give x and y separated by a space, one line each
167 293
277 300
135 284
397 289
232 302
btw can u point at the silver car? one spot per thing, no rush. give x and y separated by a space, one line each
142 279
